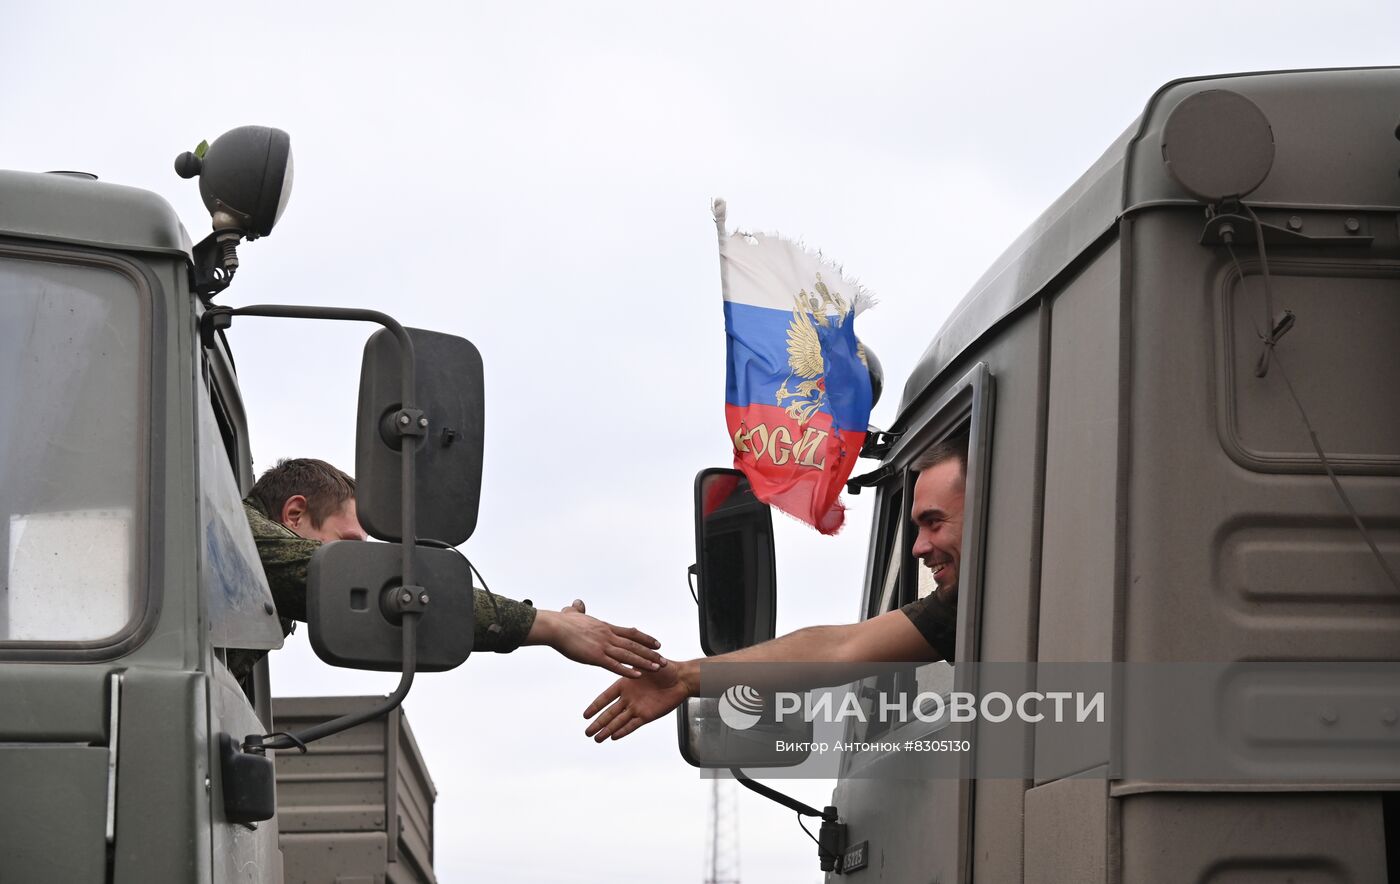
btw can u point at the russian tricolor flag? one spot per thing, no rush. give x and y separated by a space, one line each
797 395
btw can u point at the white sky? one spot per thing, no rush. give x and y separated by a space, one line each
536 177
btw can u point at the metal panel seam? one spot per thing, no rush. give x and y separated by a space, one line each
1042 434
1120 563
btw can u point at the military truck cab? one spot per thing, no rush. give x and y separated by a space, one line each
1166 380
130 578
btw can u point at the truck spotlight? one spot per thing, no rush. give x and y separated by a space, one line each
245 178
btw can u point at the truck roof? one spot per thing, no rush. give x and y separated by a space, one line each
80 210
1310 113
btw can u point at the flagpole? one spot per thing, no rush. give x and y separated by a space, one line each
718 209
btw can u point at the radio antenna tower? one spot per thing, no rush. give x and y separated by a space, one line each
722 857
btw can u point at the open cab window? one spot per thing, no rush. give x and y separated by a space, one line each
241 611
896 578
962 413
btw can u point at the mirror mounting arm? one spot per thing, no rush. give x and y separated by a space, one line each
832 837
774 795
259 743
414 607
222 317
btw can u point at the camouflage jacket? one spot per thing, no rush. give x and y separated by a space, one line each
285 557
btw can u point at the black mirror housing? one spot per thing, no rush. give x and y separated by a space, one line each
248 781
451 396
735 569
351 614
707 741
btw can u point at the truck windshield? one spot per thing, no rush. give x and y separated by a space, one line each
72 455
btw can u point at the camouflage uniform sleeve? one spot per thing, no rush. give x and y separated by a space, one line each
937 622
514 619
284 558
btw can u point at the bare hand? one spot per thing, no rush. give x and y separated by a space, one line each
626 651
632 703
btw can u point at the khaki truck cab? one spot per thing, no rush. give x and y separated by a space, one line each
128 750
1185 452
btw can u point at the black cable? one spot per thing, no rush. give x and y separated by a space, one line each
1262 367
297 742
494 628
809 833
1326 465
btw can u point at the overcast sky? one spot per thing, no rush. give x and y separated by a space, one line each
536 177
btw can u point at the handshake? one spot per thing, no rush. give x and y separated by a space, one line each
650 686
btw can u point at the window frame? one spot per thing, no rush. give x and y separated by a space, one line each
967 403
151 472
219 376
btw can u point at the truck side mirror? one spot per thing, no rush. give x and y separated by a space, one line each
736 582
450 393
354 593
715 733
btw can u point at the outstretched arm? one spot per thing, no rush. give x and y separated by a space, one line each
629 704
622 649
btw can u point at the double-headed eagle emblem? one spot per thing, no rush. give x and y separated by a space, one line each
820 308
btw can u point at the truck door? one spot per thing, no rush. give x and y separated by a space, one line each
242 624
74 517
904 824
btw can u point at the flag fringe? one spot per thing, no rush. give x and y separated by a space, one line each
862 299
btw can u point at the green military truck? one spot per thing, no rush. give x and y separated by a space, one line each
1184 472
129 752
